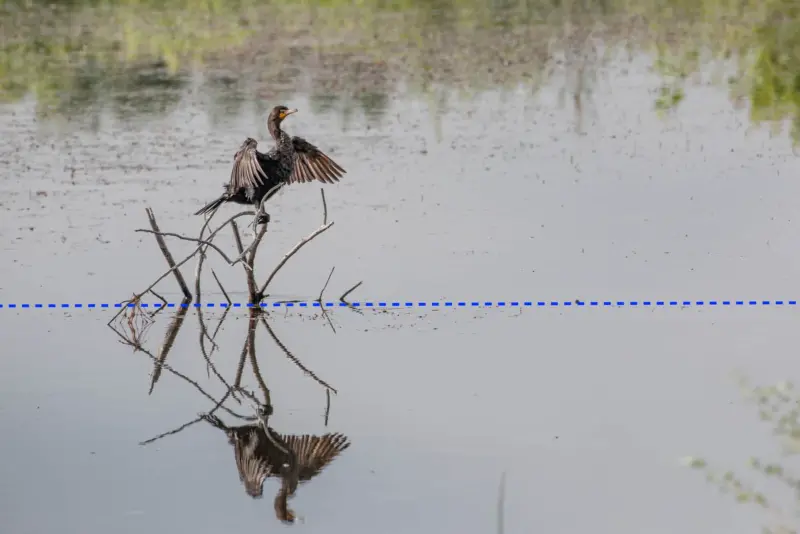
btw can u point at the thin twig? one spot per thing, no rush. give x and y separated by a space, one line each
186 425
219 324
171 432
349 305
294 358
248 272
138 322
291 253
324 206
221 288
319 299
178 374
321 291
327 406
197 272
201 261
204 334
201 242
167 254
198 387
249 395
209 364
258 234
301 244
344 295
159 297
180 263
163 303
237 237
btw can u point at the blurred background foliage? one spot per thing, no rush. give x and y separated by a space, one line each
75 55
777 492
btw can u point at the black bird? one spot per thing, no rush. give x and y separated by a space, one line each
257 176
261 453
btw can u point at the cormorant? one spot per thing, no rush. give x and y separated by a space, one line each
261 453
257 176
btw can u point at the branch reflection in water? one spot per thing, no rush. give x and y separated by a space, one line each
259 451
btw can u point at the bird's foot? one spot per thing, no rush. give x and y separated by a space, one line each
262 217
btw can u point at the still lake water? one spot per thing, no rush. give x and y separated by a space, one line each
506 196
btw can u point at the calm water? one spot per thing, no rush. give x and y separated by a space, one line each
506 194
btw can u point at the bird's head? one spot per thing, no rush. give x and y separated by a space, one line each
279 113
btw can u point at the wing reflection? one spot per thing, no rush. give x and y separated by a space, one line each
260 452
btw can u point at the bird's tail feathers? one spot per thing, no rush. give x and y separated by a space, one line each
212 205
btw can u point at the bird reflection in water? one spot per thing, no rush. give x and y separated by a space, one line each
260 453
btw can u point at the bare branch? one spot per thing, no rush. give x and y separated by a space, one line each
292 357
321 291
297 247
319 299
248 272
221 288
171 432
255 297
246 256
327 406
259 233
187 425
202 250
324 206
201 242
248 265
291 253
237 237
163 303
344 295
180 263
167 254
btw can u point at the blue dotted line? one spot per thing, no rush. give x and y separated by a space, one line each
430 304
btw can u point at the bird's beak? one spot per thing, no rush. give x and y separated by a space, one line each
289 112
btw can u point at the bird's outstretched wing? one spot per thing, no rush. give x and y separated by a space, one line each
253 467
247 171
313 453
311 164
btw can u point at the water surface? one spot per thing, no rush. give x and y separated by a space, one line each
500 167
